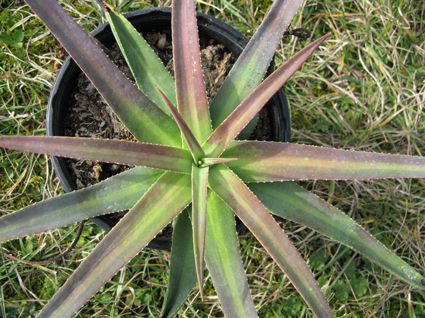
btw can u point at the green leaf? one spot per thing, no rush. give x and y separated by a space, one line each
261 161
250 106
199 218
292 202
254 215
318 259
146 121
251 66
18 36
145 65
213 161
323 125
360 286
115 151
160 204
224 261
182 277
350 270
341 290
17 45
115 194
4 15
190 87
19 53
193 144
7 39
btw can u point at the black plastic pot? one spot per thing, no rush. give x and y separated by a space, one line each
150 20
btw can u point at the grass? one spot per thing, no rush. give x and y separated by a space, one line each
362 90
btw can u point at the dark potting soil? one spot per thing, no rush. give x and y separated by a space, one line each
90 116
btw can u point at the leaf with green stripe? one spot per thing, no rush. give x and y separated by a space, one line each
224 261
190 88
159 205
106 150
145 65
199 218
193 144
261 161
251 66
255 216
292 202
218 141
146 121
182 274
115 194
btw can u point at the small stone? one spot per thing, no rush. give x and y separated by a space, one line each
162 42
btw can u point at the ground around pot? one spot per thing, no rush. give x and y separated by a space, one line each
368 95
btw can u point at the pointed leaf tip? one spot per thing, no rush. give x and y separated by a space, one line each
104 5
272 161
252 64
251 105
194 146
294 203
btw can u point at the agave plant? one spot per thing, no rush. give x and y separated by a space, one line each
190 168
